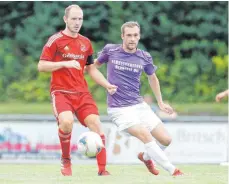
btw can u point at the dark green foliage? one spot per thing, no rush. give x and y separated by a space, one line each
188 42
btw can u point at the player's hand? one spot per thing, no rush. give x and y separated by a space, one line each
112 89
166 108
73 64
219 97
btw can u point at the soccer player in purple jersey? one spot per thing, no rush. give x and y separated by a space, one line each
126 108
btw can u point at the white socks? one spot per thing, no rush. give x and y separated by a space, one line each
156 153
161 146
147 157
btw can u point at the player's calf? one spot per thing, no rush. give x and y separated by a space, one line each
93 123
102 160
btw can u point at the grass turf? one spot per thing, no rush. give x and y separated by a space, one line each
121 174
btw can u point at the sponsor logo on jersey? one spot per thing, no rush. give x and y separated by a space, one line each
73 56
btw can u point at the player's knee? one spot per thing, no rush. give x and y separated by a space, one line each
146 137
66 124
167 141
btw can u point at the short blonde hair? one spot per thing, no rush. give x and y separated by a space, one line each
129 24
67 10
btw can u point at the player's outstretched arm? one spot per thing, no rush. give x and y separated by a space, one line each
98 77
49 66
97 63
221 95
155 86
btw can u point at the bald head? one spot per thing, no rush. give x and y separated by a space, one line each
73 19
72 8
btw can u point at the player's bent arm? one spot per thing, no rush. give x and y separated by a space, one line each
49 66
97 76
155 86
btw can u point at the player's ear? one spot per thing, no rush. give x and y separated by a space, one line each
122 36
65 18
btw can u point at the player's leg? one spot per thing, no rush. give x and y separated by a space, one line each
154 125
158 131
163 140
152 149
93 123
87 114
143 135
162 136
65 120
64 116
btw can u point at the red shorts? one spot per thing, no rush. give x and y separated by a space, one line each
81 104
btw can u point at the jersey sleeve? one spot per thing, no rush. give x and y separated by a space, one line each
103 55
149 67
49 51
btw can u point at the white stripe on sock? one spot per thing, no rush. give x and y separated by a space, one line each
161 146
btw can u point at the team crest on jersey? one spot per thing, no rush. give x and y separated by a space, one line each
66 48
83 48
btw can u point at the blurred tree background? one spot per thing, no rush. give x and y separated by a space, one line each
187 40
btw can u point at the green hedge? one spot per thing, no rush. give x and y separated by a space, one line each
188 42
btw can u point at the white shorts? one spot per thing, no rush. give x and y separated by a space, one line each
125 117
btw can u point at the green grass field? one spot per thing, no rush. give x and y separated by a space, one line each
182 109
121 174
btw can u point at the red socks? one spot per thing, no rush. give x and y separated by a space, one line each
65 139
102 157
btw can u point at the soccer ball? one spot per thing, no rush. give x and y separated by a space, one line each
89 144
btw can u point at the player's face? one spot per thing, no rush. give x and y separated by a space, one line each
74 20
130 38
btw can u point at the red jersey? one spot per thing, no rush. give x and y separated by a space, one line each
61 47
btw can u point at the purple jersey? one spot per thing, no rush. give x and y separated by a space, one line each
124 70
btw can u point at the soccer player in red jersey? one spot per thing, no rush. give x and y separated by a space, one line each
66 54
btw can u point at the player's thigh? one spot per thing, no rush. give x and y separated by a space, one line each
92 121
161 134
154 124
123 117
140 132
85 108
148 117
62 108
